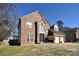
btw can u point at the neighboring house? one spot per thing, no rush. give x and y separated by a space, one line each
72 35
33 28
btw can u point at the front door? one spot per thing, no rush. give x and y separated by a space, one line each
41 37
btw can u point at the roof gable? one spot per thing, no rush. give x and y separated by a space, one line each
36 12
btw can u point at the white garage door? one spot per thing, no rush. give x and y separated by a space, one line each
56 40
62 39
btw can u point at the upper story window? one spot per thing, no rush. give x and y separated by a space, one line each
29 24
41 28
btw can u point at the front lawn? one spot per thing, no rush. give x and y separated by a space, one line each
47 49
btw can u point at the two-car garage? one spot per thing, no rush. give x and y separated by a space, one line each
59 39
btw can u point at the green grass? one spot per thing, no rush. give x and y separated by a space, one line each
40 50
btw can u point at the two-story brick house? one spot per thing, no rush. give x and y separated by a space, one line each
33 28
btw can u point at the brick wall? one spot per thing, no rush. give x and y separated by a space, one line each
24 30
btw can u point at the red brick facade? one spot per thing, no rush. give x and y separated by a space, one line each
35 18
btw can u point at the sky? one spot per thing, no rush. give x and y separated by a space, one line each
68 13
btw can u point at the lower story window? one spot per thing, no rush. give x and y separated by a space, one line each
29 37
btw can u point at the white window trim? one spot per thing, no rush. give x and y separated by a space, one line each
29 40
41 31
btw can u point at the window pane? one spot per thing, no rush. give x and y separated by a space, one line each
29 24
41 28
29 37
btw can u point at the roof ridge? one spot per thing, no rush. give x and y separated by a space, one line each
29 13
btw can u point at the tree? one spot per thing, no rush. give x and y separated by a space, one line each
5 19
60 24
